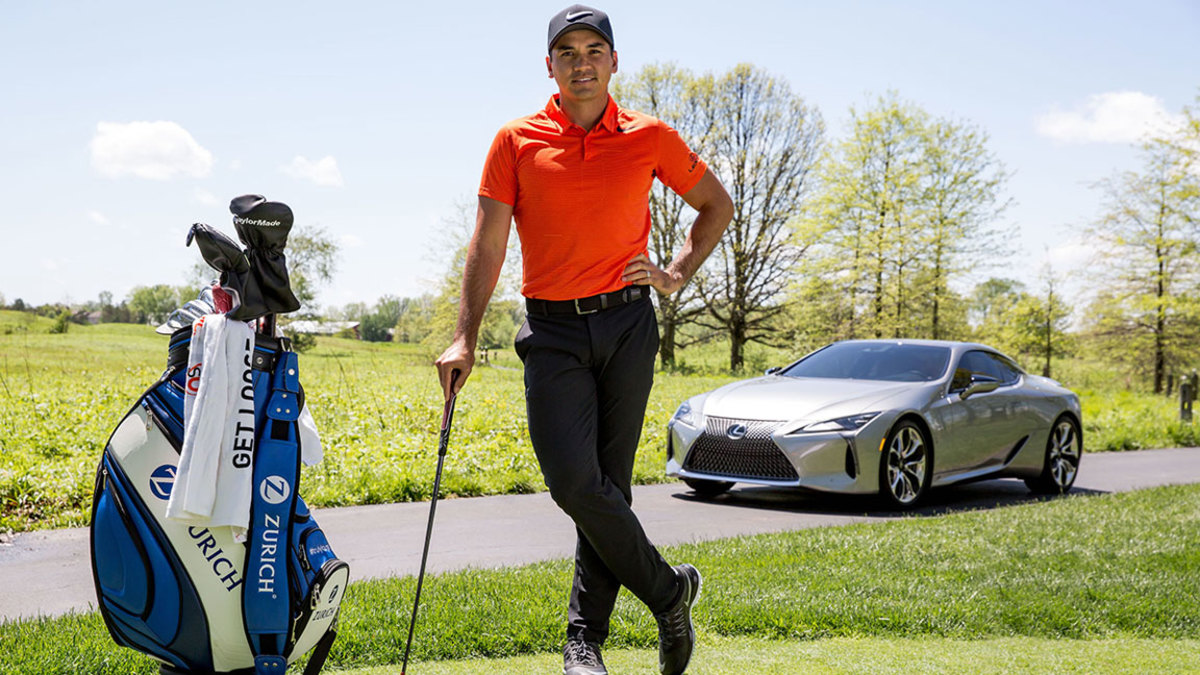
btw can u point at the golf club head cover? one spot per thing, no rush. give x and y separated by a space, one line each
263 227
224 255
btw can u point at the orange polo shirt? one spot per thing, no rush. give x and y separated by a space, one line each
581 200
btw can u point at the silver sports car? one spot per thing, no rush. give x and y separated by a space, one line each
893 417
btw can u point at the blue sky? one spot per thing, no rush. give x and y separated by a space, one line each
121 123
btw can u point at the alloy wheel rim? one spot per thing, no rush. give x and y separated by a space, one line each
906 465
1064 454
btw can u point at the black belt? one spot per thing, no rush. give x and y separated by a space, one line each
588 305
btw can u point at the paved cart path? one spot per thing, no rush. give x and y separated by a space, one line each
48 573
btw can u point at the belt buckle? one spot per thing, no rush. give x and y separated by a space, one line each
581 311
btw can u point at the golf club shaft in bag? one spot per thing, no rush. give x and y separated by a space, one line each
443 442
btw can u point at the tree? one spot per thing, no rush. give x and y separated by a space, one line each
504 312
907 202
960 199
1037 325
764 144
312 260
376 326
415 317
991 299
153 304
1149 270
685 102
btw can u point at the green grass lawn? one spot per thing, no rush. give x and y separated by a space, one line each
378 407
720 655
1114 576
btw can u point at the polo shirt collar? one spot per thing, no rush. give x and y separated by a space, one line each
608 120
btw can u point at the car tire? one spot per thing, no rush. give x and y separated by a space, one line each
1064 448
905 466
708 488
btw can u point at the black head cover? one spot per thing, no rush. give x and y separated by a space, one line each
219 251
263 227
224 255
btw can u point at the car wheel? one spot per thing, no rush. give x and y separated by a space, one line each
905 467
708 488
1063 450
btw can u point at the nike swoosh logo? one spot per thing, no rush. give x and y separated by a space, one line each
575 16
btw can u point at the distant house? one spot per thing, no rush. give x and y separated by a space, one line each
324 327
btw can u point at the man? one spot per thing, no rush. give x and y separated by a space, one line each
576 177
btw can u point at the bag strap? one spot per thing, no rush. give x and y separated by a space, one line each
266 598
317 661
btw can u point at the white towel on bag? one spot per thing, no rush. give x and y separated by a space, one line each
213 481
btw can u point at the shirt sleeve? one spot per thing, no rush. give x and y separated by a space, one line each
499 180
678 167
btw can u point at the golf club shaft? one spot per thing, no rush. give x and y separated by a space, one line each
443 442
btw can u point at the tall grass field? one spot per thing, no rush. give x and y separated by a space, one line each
378 407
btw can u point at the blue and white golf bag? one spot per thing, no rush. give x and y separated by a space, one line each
190 595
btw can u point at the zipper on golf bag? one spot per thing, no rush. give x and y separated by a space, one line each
145 594
313 567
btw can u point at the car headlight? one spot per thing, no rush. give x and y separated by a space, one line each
685 415
848 423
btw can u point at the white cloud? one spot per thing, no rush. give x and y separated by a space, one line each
324 171
153 150
204 197
1112 117
98 218
1072 256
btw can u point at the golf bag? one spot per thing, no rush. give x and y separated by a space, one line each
190 595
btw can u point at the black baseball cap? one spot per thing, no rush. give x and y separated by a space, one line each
575 17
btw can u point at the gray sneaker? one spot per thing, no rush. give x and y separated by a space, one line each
676 636
581 657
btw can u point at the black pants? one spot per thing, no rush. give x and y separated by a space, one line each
587 380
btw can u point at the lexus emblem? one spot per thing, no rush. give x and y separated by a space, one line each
737 432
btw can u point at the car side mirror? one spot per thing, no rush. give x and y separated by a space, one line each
772 371
980 384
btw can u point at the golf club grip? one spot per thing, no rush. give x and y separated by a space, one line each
448 410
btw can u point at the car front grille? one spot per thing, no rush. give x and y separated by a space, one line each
753 456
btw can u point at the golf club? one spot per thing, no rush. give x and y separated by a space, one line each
447 415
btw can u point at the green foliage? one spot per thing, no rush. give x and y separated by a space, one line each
312 257
1147 312
414 322
503 314
301 342
1107 567
906 204
1022 324
153 304
61 323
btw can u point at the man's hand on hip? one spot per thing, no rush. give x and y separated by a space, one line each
640 271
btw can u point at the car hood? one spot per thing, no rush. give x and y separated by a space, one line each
776 397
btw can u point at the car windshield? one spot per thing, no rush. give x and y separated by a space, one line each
874 361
